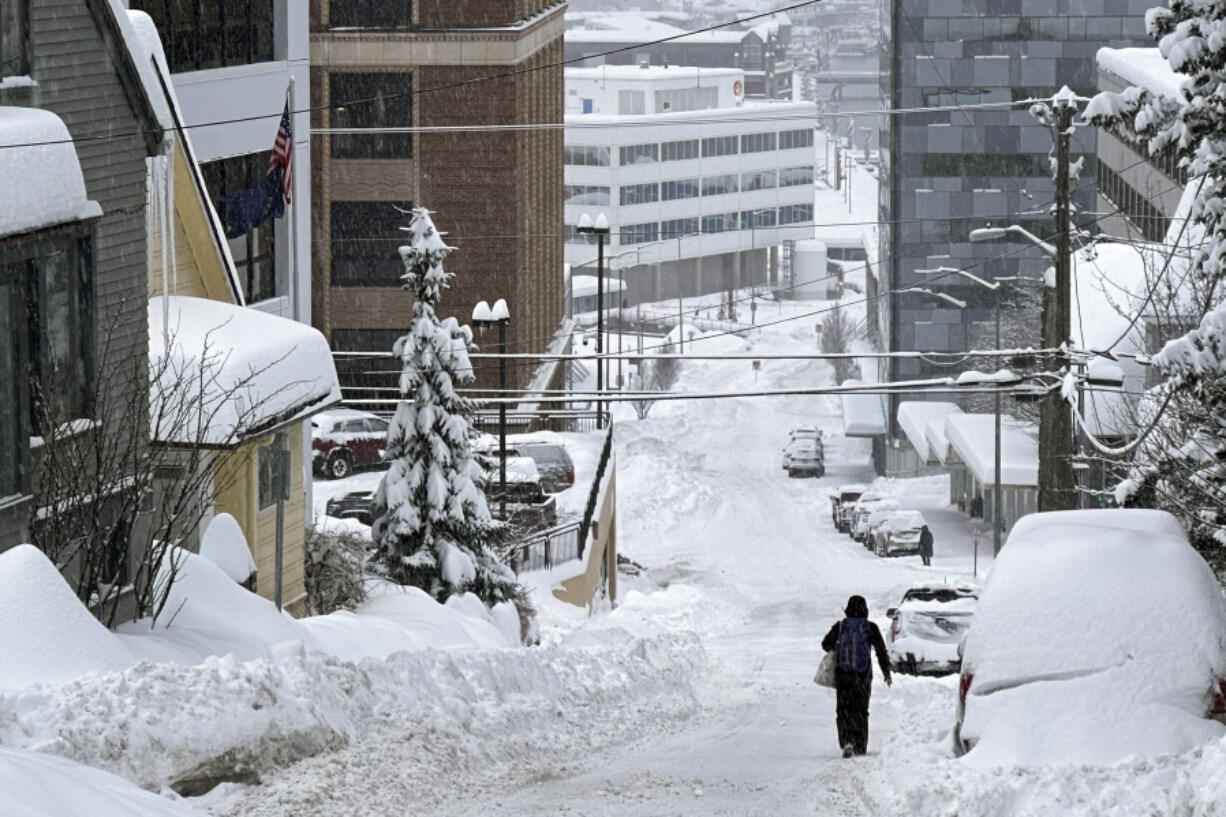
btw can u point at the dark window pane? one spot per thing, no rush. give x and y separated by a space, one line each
14 23
365 239
254 253
372 101
10 397
200 34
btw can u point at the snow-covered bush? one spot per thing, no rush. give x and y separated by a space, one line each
337 566
433 528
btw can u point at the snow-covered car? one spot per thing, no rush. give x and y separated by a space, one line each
868 502
345 439
805 457
357 505
927 627
1099 634
800 435
553 462
842 499
805 433
899 533
528 505
882 511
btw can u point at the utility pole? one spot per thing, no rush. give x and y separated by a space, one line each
1057 485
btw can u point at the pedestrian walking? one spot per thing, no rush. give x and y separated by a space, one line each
852 640
926 545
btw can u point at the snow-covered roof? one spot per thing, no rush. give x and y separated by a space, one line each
43 185
583 285
260 370
914 417
651 72
863 414
938 443
972 437
628 28
1143 67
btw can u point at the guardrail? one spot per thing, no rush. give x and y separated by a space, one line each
544 549
605 452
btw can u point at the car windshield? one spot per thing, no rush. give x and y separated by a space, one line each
941 594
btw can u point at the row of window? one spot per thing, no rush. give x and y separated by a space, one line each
646 232
675 189
1008 27
200 34
680 150
370 13
1137 208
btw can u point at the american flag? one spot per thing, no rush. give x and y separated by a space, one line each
283 154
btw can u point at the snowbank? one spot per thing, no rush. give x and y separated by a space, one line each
43 185
224 545
260 369
46 634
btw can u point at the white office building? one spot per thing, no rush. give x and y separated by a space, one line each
232 64
700 187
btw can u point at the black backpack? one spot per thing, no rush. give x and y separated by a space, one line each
854 645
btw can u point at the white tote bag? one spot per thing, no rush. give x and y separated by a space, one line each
824 677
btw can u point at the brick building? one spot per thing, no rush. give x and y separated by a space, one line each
496 193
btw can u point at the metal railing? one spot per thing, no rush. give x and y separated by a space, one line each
605 453
544 549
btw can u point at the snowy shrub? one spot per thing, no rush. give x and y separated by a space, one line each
337 565
839 329
433 528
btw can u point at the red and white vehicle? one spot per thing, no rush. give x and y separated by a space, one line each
345 439
1099 634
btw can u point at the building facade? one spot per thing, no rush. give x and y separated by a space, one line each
484 74
696 183
948 172
233 66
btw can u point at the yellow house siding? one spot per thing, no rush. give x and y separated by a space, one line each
237 491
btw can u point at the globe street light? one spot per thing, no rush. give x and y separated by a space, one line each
484 316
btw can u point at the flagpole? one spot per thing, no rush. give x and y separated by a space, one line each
293 209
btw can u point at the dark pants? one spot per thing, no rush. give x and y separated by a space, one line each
851 693
927 559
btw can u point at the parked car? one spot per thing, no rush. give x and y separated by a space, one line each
804 434
344 439
865 505
841 501
357 505
1100 634
927 627
553 462
882 510
805 457
899 533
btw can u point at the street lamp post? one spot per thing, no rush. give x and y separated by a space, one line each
484 316
600 229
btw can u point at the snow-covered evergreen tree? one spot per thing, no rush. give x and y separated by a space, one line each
1180 466
433 528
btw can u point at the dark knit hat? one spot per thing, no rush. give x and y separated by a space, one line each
857 607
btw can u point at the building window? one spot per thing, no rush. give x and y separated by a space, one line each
573 236
370 14
14 44
365 236
254 252
371 101
200 34
11 398
639 193
722 223
795 213
792 176
687 99
789 139
995 165
639 154
586 155
640 233
753 219
719 146
679 151
586 194
759 180
679 189
631 102
47 315
718 185
678 227
274 472
757 142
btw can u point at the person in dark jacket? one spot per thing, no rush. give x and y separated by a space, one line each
925 545
851 639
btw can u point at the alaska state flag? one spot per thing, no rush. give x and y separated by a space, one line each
245 210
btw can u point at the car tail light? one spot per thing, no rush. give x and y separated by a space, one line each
964 686
1217 706
895 627
570 475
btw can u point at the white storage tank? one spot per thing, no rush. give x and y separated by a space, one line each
810 279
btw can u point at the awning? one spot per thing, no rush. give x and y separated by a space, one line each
863 414
972 438
914 417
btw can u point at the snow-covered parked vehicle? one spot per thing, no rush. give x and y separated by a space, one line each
804 458
345 439
927 627
528 506
1099 634
842 499
868 502
553 461
881 513
357 505
899 533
